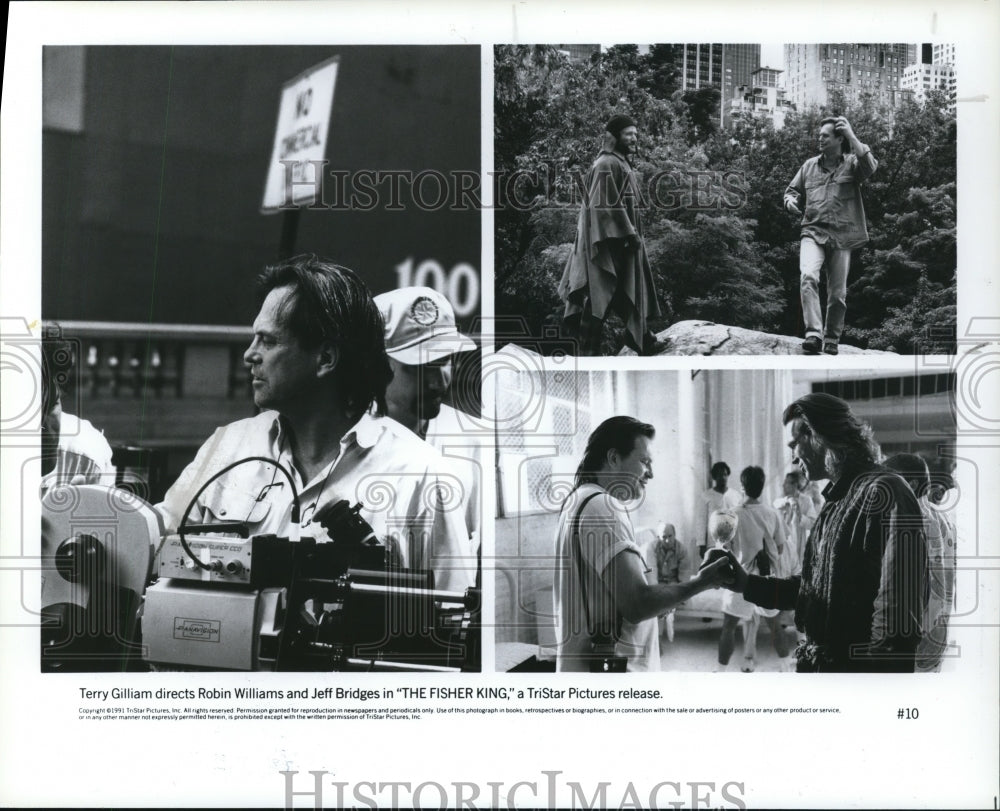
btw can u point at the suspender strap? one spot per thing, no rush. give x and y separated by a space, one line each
583 584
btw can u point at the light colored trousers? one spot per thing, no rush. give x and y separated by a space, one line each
812 258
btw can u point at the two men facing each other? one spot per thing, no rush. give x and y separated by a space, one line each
860 596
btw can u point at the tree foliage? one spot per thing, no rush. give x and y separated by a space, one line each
721 245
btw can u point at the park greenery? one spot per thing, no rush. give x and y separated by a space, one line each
721 245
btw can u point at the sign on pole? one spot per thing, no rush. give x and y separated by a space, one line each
300 138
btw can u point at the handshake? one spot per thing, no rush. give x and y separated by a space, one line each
721 568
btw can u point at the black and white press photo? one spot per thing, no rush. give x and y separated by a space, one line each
711 521
733 198
259 270
499 405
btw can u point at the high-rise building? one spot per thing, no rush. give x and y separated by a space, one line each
763 97
943 53
874 70
579 53
725 66
922 79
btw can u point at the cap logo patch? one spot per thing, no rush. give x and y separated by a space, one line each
424 311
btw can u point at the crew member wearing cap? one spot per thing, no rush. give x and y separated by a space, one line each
608 269
319 371
421 340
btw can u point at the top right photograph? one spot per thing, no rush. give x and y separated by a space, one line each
725 199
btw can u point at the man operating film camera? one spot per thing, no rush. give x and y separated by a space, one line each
319 375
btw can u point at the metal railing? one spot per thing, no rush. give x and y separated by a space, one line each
130 359
158 384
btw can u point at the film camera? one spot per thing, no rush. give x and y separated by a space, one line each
211 598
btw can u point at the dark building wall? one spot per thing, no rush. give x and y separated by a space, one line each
151 209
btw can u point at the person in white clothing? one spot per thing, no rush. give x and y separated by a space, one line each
720 496
941 562
421 340
798 513
759 546
319 371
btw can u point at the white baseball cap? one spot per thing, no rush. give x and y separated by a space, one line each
420 326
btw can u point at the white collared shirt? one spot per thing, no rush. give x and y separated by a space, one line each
408 491
82 457
463 450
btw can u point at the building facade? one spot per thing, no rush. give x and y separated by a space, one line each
724 66
873 70
764 97
943 53
922 79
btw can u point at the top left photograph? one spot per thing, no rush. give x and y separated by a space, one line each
261 293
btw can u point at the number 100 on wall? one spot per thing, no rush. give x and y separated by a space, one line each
460 285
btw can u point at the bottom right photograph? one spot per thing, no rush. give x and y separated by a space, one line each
726 520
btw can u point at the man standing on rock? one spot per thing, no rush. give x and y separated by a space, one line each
833 225
608 269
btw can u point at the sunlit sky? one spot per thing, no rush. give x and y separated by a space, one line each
772 54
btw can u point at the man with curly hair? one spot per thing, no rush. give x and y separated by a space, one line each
861 596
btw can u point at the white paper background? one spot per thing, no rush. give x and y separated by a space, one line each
862 757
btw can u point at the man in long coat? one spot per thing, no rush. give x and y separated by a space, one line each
608 269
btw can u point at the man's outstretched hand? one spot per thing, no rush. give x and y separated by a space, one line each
730 574
717 569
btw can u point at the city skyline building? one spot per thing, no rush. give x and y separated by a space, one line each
726 66
764 97
943 53
922 79
815 72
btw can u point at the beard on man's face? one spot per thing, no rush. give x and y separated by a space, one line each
428 407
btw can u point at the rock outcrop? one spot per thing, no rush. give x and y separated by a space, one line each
707 338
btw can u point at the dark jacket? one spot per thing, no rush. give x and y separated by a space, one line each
862 593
